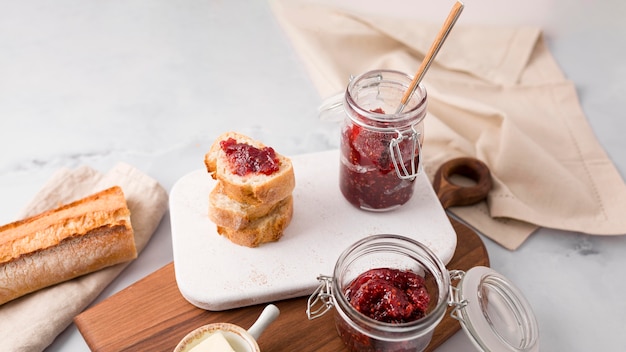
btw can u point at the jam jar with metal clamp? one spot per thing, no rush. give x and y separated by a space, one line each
379 147
389 292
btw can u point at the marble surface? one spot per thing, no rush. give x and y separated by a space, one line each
152 83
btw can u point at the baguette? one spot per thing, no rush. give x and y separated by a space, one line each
253 188
268 228
61 244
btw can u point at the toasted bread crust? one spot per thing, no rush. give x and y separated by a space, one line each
226 212
64 243
270 191
266 229
52 227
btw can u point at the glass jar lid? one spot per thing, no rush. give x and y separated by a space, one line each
493 312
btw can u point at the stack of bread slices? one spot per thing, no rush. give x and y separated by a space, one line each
249 207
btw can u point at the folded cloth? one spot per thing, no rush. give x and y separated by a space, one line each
32 322
494 93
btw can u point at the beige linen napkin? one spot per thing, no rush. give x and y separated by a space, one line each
494 93
32 322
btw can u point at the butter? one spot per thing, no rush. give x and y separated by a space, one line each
216 342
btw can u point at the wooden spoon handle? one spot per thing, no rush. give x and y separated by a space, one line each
451 194
454 14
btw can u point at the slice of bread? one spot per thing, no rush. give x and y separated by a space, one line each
227 212
268 228
252 188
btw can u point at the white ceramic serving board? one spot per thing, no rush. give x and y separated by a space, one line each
213 273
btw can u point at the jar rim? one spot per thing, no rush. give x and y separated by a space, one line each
413 114
394 241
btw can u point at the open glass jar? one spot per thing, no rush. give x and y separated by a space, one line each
490 309
380 149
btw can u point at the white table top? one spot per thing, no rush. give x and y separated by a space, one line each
152 83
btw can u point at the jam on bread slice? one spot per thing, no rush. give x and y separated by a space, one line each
253 187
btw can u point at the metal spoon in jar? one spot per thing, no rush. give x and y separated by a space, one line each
432 52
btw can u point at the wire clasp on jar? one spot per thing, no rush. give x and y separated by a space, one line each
456 304
321 300
396 154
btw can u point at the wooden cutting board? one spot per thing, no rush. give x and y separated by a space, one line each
152 315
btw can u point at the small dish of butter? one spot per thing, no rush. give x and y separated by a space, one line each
227 337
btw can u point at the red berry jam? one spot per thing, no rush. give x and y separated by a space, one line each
389 295
368 177
244 159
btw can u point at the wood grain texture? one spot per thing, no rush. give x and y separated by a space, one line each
451 194
152 315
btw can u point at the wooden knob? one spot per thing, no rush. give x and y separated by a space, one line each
451 194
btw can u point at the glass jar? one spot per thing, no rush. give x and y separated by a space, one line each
380 149
490 309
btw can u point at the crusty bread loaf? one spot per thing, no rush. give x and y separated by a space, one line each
253 188
58 245
268 228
